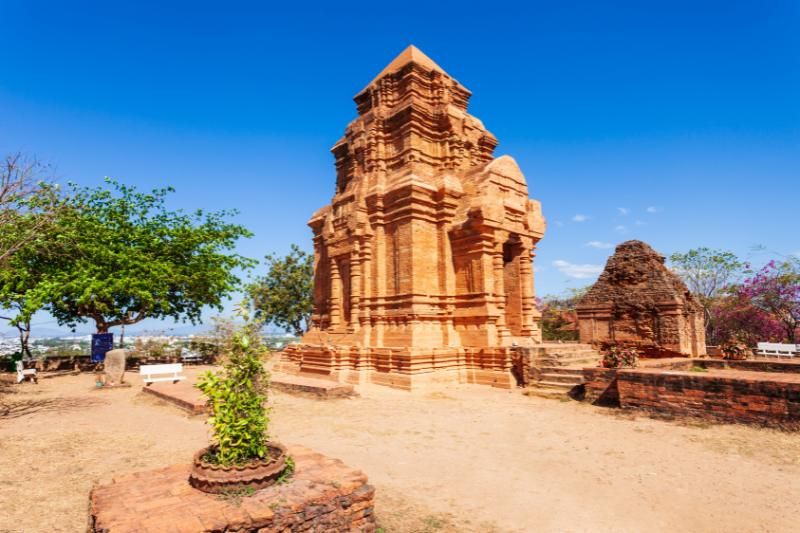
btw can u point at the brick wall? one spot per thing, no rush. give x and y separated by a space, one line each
764 398
754 365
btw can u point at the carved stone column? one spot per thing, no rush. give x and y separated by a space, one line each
355 287
529 328
336 294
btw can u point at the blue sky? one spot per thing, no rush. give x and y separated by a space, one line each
673 122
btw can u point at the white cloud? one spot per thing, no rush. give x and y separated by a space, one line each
653 209
639 223
623 210
577 271
559 223
580 218
621 228
599 244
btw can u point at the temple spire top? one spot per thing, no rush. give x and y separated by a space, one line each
412 54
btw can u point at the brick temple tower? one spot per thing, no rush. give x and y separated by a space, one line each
638 301
423 259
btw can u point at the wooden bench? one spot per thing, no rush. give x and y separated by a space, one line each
776 349
168 372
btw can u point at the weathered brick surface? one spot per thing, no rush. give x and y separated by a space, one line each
323 495
423 257
316 388
601 383
753 365
764 398
182 394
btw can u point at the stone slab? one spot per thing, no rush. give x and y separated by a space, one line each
182 394
306 386
114 386
323 495
114 366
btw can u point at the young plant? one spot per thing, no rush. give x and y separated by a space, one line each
237 397
619 356
734 350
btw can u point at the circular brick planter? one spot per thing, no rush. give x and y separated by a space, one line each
256 474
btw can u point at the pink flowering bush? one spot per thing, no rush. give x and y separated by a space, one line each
775 291
734 318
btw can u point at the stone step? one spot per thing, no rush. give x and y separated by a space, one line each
573 379
556 394
571 370
568 351
543 383
571 361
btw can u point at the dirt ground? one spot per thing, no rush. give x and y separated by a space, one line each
464 458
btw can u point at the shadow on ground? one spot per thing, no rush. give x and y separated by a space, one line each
22 408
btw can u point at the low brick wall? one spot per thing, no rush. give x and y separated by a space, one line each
600 386
753 365
763 398
323 495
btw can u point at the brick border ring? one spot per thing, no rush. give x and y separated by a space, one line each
256 474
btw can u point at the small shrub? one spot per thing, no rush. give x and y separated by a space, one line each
734 350
618 356
236 398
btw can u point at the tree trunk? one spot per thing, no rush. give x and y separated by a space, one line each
101 325
24 337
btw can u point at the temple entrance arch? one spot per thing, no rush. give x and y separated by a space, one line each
512 251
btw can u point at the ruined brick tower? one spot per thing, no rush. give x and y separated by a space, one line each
637 300
423 259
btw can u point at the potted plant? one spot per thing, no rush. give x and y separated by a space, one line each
241 456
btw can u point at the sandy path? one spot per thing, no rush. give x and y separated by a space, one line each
466 458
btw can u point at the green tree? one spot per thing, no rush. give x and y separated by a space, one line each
28 203
128 258
707 273
28 206
559 319
284 297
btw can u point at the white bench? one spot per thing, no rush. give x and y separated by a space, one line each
168 372
776 349
188 356
26 373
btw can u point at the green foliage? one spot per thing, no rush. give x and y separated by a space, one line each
705 271
708 274
28 203
125 257
27 208
236 398
284 297
558 315
286 475
619 356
